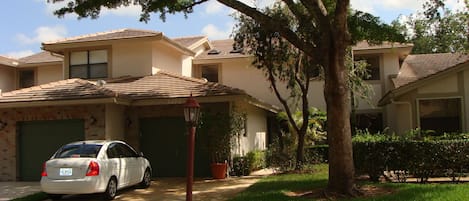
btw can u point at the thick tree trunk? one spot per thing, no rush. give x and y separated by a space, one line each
341 169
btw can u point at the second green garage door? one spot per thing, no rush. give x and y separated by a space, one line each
38 140
164 143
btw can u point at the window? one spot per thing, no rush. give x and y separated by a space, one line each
440 115
372 65
209 72
79 151
373 122
26 78
88 64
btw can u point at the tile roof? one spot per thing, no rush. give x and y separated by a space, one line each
8 61
224 47
159 86
416 67
109 35
167 85
188 41
41 57
364 45
61 90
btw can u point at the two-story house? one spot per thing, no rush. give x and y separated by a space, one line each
125 84
130 85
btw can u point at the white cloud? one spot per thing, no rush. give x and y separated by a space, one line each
213 7
127 11
43 34
371 6
19 54
213 32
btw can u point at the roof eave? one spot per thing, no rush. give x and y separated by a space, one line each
59 47
62 102
179 47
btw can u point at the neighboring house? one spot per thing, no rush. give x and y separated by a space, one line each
147 79
431 92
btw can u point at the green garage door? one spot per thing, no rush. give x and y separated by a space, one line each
164 143
38 140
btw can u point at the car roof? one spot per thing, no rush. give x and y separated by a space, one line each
98 142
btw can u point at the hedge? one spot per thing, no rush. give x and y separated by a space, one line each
422 159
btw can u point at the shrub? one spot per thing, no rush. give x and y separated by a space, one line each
317 154
422 159
256 160
240 166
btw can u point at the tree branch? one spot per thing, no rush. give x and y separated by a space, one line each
271 24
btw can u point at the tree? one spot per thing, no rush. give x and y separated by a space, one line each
281 62
325 45
437 29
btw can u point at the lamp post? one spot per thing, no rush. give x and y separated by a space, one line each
191 115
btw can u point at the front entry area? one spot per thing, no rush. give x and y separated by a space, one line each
38 140
164 143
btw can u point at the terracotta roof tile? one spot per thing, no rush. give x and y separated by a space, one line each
167 85
109 35
224 47
61 90
160 85
416 67
188 41
41 57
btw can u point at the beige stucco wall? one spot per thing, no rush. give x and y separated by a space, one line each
187 66
50 73
7 78
115 122
389 66
131 58
445 85
166 58
465 75
8 135
256 124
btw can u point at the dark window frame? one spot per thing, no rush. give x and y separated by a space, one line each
22 84
374 71
88 65
432 120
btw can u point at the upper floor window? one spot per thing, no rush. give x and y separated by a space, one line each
90 64
26 78
372 65
210 72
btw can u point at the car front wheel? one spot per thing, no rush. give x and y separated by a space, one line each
111 189
146 180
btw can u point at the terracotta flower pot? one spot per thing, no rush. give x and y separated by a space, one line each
218 170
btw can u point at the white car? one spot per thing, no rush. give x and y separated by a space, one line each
87 167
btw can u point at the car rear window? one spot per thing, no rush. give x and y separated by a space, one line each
78 151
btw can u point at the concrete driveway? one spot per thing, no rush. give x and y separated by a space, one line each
172 189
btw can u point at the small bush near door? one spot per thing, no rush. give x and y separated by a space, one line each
244 165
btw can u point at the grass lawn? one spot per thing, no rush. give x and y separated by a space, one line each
280 188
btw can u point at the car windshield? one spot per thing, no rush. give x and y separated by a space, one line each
78 151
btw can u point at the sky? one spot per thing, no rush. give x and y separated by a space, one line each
27 23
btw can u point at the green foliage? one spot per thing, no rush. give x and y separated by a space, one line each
437 29
423 159
220 128
364 26
317 154
244 165
274 188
